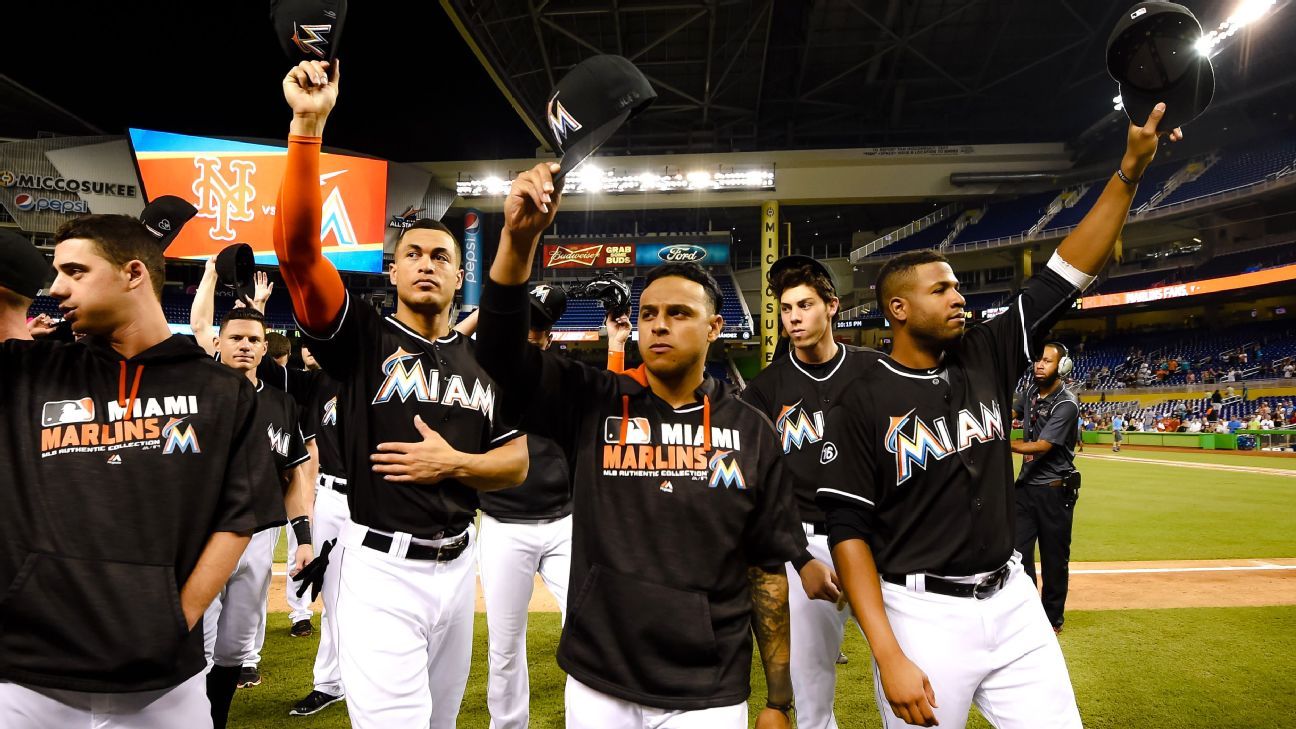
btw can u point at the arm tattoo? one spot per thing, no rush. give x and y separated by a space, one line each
772 625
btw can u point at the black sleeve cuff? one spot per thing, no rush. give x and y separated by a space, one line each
801 560
845 524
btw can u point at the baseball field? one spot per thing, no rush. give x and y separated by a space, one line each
1182 611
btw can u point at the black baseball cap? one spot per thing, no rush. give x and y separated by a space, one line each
548 303
235 268
796 260
165 216
1152 53
308 30
591 103
23 269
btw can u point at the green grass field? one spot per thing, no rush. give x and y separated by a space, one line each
1134 669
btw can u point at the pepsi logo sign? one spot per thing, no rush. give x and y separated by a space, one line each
682 254
472 223
24 201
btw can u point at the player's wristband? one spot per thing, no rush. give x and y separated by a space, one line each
1123 178
786 709
301 530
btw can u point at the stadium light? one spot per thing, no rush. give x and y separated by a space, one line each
589 178
1247 13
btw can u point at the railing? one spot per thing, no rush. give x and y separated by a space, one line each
898 234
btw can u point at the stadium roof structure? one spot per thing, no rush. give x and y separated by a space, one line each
745 75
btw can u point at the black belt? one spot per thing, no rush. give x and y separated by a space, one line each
444 553
986 588
524 520
333 483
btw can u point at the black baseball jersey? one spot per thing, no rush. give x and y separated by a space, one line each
117 473
667 517
320 424
281 418
795 397
387 374
545 494
1051 419
930 486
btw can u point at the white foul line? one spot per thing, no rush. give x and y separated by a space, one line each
1160 570
1257 470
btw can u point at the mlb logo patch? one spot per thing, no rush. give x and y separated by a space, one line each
637 433
66 412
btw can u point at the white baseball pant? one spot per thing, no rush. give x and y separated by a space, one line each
1000 653
234 617
404 631
31 707
590 709
817 633
331 512
509 556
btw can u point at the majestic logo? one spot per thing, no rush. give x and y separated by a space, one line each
667 487
66 412
585 256
330 412
682 254
796 427
472 222
115 459
561 122
828 454
934 441
311 39
728 474
279 440
179 439
403 380
222 200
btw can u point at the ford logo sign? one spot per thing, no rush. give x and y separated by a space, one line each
682 254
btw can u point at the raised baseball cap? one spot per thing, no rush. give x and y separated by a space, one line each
1152 53
235 268
165 216
796 260
548 303
308 30
590 104
23 269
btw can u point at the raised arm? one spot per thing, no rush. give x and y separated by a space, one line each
316 288
202 313
1089 246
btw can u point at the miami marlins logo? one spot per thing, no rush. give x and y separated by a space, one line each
934 441
337 220
279 440
330 412
561 122
179 439
311 39
728 474
403 380
222 200
795 427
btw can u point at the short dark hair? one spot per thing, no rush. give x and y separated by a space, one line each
694 273
244 313
430 224
803 275
120 239
901 265
277 345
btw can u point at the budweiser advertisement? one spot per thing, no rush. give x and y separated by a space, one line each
1193 288
590 255
234 185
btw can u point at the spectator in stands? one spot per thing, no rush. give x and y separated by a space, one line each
1288 369
1149 421
1173 366
1160 425
1242 358
1229 391
1266 423
1190 378
1254 422
1212 414
1221 427
1194 426
1234 425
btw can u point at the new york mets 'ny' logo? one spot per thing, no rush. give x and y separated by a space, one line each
179 439
796 427
934 441
728 474
222 200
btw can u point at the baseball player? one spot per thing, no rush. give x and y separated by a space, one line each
527 531
131 492
921 526
419 434
1049 484
682 516
23 272
237 613
795 392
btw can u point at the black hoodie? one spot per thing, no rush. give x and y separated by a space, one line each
671 507
116 474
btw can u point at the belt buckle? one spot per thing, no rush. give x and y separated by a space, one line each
986 588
